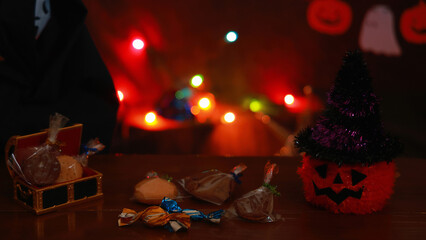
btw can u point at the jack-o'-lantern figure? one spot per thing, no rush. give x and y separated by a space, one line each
413 24
347 164
332 17
348 188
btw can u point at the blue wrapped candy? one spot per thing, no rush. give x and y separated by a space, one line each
171 206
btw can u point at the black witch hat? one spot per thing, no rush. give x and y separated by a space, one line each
350 130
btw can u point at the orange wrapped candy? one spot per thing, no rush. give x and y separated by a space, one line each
155 216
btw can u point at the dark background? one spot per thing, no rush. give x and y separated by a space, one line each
277 52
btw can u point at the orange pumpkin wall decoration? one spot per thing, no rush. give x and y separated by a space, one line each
413 24
332 17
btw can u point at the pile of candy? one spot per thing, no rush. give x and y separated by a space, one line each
212 186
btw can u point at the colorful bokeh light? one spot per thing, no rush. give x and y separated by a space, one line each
179 95
307 90
150 118
183 93
231 36
204 103
266 119
289 99
255 105
197 80
120 95
229 117
195 110
138 44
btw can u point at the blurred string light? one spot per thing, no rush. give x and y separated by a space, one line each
255 105
138 44
293 104
204 103
307 90
231 37
120 95
265 119
289 99
151 118
229 117
183 93
197 80
195 110
179 95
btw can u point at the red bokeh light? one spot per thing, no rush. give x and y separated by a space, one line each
120 95
289 99
138 44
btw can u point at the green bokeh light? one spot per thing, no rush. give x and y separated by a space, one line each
255 105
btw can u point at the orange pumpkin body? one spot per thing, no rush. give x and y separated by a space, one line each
347 189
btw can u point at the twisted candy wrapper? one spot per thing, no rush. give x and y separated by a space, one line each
155 216
169 215
171 206
92 147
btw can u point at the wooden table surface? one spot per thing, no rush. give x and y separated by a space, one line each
404 217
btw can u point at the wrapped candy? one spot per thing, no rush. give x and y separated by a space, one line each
258 205
72 166
169 215
153 189
42 166
212 185
171 206
155 216
71 169
92 147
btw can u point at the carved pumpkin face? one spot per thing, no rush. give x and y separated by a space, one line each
349 188
332 17
413 24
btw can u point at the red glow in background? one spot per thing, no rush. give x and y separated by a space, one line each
277 53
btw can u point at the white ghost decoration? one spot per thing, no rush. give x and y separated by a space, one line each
378 32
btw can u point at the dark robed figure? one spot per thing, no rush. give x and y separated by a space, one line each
48 64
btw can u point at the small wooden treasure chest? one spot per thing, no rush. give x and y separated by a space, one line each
52 197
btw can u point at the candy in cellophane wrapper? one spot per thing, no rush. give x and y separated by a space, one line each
168 215
213 185
72 166
154 188
42 167
92 147
258 205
